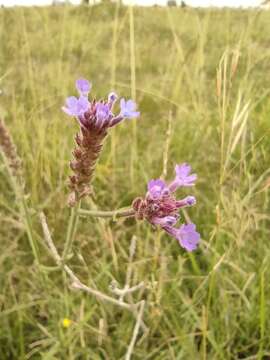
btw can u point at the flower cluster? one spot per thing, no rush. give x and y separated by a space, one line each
161 208
97 114
94 118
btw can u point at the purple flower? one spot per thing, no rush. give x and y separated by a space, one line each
169 220
183 177
103 113
188 237
128 109
94 113
160 207
76 107
156 188
112 97
187 201
83 86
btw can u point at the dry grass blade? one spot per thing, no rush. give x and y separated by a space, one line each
135 331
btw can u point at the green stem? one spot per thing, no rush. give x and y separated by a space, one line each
107 214
72 227
29 228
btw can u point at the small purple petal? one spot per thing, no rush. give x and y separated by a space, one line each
156 183
155 188
128 109
188 237
183 177
82 105
103 113
83 86
71 101
188 201
182 170
112 97
183 174
166 220
76 107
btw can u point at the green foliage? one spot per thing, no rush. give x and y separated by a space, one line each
211 305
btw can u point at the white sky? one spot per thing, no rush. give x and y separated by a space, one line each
220 3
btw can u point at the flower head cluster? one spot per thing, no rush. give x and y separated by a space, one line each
97 114
95 118
161 208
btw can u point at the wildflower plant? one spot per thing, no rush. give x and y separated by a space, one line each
159 207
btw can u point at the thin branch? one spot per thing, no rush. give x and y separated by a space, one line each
108 214
76 281
126 290
135 331
77 284
72 227
132 250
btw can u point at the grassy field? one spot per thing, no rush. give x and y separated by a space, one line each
209 72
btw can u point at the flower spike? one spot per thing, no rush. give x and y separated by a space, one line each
94 118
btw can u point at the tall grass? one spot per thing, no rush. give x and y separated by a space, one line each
208 72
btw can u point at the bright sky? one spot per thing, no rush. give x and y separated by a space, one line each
232 3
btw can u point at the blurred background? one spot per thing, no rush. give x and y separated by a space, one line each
196 3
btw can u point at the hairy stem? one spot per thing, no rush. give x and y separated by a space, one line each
108 214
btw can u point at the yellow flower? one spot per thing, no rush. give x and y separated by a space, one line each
66 323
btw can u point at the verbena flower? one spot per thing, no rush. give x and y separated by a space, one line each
112 97
128 109
169 220
161 208
156 188
187 235
94 118
183 177
97 114
83 86
76 107
187 201
103 114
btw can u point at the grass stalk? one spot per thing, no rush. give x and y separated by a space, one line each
71 229
134 155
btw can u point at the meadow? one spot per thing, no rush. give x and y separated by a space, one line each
201 79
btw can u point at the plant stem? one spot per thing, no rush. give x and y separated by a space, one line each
29 229
129 212
72 227
76 283
136 330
